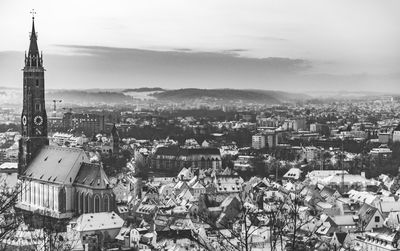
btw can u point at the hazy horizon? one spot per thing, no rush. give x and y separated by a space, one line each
294 46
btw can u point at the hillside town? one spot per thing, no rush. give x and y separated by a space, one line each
295 177
302 176
198 174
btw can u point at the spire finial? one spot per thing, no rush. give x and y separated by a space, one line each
33 13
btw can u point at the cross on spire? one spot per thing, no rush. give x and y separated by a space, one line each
33 13
33 53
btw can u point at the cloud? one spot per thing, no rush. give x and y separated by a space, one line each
268 38
127 67
187 59
86 67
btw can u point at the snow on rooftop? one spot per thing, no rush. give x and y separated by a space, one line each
8 165
98 221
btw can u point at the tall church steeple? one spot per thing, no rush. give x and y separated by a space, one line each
34 117
33 59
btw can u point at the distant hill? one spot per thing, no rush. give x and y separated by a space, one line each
144 89
338 95
226 95
85 97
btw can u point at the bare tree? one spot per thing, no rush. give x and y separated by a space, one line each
53 235
280 215
239 231
9 218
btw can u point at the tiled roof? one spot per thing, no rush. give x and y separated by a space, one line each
341 237
366 212
389 206
344 220
176 150
199 151
98 221
92 175
385 234
327 192
198 185
56 164
172 150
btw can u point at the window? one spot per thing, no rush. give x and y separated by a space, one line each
37 107
87 203
81 202
107 202
37 82
377 218
96 204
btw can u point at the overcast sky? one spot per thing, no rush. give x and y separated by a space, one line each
298 45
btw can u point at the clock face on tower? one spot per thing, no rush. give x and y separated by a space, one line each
24 120
38 120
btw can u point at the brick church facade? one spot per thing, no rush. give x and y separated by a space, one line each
59 182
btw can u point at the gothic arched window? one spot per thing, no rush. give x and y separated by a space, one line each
87 203
76 201
28 192
81 201
62 200
106 203
203 163
90 210
96 203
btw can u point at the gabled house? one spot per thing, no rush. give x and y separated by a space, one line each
197 189
180 186
369 218
230 208
228 183
311 196
146 212
330 195
347 206
105 226
382 239
293 174
186 174
185 195
165 192
327 208
327 228
340 240
392 220
151 193
386 207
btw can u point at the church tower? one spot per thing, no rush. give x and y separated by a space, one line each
34 117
